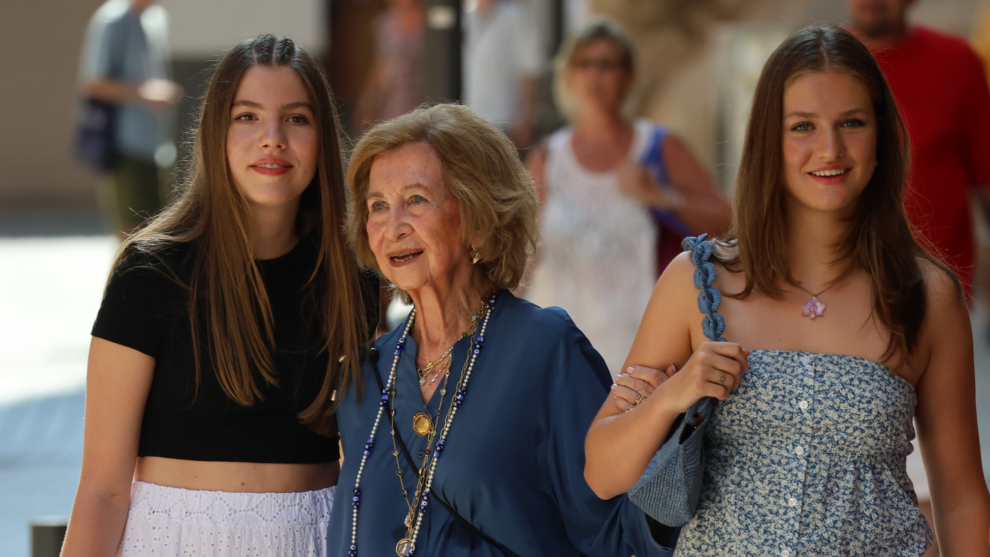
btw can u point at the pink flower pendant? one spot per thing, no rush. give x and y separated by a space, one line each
814 308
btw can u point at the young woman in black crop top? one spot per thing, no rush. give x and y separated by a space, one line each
214 362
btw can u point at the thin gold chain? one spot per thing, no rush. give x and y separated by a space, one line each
395 453
428 453
472 326
421 484
422 370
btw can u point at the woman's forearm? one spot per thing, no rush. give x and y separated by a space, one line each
962 527
96 524
111 91
619 446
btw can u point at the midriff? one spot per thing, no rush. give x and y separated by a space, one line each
247 477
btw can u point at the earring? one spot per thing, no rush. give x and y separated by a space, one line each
475 256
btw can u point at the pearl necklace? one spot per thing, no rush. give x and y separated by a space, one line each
407 546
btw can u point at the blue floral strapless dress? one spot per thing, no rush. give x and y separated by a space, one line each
807 458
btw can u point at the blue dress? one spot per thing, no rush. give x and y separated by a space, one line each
807 457
513 464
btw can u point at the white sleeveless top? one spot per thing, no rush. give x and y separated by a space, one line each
597 257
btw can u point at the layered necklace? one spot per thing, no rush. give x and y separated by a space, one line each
407 545
422 424
424 372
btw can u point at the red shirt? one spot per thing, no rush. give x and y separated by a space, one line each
941 90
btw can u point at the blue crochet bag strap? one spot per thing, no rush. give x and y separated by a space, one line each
709 299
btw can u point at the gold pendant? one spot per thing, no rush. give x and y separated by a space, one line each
422 424
404 548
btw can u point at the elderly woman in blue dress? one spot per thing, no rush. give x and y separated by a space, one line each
476 446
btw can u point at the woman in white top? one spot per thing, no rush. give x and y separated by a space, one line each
602 211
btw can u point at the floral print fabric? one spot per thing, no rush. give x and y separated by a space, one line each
807 458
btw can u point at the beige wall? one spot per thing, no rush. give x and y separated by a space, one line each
209 27
39 55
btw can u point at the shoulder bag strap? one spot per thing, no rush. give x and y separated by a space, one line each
373 358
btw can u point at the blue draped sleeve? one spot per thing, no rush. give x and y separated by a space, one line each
596 527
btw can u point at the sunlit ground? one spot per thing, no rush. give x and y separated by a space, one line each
50 290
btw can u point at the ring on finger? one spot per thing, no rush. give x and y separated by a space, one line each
638 400
721 379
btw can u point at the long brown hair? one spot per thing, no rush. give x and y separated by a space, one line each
227 294
881 240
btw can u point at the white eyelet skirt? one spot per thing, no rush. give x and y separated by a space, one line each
173 522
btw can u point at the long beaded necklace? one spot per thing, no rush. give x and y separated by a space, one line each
407 546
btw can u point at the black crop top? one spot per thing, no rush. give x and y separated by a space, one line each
145 310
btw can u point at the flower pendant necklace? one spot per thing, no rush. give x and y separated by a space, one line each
814 308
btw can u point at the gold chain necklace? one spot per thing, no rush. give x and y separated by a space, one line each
395 452
430 435
422 370
436 373
471 328
410 522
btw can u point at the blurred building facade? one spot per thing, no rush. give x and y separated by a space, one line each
699 60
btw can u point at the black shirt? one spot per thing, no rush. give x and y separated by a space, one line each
146 310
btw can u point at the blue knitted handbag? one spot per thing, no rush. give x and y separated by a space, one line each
670 486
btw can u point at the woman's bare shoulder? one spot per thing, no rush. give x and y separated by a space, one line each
679 274
946 311
943 291
675 294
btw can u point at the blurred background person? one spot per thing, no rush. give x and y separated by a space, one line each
598 255
395 82
947 112
501 65
125 63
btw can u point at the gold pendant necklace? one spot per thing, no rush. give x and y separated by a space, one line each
402 548
422 424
